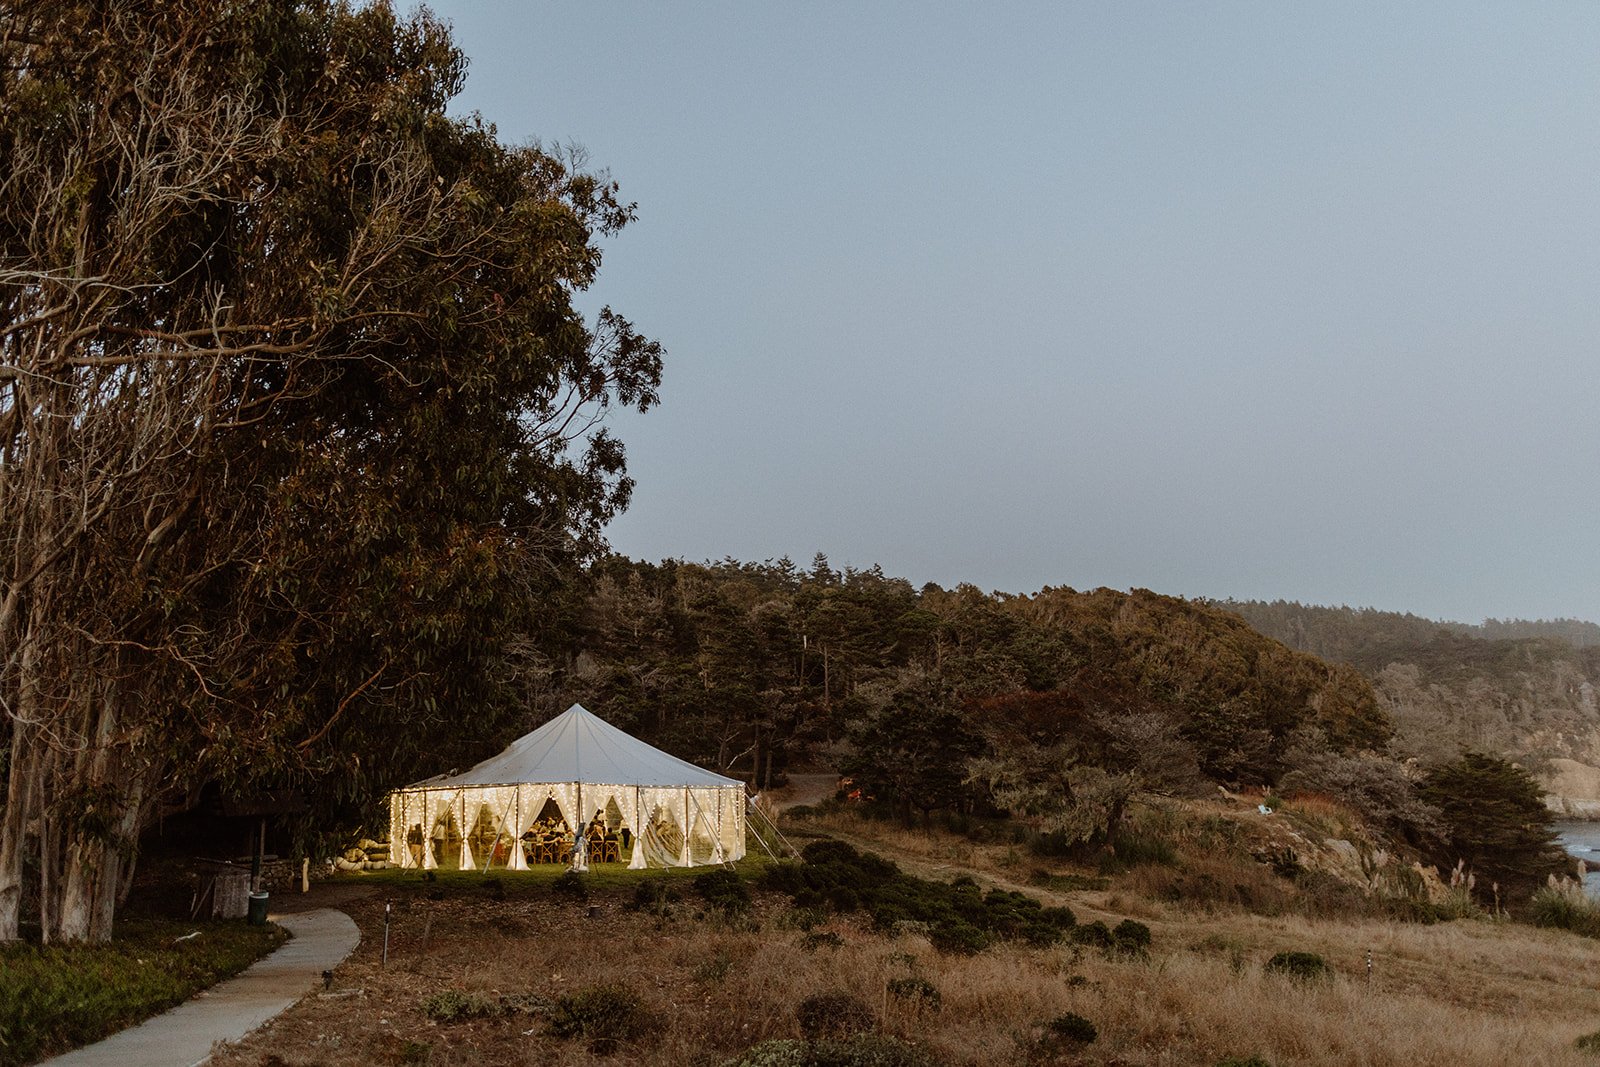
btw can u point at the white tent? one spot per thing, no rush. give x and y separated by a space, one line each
678 814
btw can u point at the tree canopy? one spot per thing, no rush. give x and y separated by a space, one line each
297 416
1495 820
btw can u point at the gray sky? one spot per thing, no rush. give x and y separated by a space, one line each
1253 300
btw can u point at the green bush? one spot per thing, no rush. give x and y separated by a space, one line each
1301 966
57 997
957 916
958 938
455 1005
654 895
1096 935
834 1014
723 889
571 884
601 1014
1130 936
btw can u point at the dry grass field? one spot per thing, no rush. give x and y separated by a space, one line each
1470 992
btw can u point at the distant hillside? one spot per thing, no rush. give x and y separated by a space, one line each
1520 688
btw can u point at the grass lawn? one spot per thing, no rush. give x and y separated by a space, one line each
539 879
54 998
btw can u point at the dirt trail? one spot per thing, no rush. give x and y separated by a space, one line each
803 789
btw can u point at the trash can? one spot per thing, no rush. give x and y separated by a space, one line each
258 909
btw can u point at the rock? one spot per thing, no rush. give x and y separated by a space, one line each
1573 789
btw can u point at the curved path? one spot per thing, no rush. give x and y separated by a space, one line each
183 1037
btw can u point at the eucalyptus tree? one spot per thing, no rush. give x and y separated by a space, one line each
297 415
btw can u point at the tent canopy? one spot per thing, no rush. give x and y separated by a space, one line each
579 746
678 814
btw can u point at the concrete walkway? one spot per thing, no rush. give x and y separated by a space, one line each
228 1010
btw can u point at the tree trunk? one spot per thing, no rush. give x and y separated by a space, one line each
91 873
24 788
20 799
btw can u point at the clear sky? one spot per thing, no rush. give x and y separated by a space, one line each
1254 300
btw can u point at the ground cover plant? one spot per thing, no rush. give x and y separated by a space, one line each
957 916
53 998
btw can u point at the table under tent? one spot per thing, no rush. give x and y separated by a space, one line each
576 790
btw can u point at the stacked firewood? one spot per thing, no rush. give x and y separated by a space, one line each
364 855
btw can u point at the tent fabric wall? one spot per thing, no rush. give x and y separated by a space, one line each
679 814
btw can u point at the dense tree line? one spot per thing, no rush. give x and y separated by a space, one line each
747 666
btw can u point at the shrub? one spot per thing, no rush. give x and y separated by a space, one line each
1058 1038
1301 966
1140 850
602 1014
655 895
1074 1028
871 1050
829 850
723 889
957 915
571 884
454 1005
861 1050
1096 935
815 939
810 900
834 1014
1589 1043
959 938
55 996
919 991
1248 1061
1563 904
1131 936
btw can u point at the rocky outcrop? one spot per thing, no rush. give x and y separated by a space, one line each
1572 789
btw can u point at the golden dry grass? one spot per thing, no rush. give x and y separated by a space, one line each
1463 994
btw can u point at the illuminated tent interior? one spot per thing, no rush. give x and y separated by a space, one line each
625 799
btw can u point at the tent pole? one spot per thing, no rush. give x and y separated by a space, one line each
580 862
519 862
429 860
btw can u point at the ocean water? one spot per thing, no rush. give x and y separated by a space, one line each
1582 839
